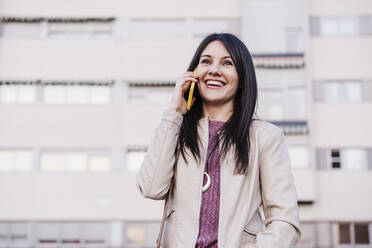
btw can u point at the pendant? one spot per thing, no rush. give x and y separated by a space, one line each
207 184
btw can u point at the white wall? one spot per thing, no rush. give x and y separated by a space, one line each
339 7
83 196
76 59
341 196
138 8
77 125
341 57
305 182
342 125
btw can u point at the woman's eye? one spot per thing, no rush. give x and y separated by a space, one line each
228 63
204 61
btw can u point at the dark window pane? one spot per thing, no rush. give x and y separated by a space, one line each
47 241
71 241
361 234
344 233
336 165
335 153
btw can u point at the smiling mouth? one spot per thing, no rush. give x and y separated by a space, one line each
214 84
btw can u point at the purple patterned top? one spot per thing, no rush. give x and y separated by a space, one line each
210 204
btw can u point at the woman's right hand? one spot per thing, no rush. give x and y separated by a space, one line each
178 102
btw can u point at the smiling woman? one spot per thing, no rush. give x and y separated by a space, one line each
216 164
218 79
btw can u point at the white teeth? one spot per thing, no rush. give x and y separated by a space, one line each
215 83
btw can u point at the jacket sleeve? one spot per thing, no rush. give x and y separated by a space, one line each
154 177
279 197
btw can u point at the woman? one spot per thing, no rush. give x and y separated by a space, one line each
225 164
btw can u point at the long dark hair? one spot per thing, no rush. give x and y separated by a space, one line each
235 131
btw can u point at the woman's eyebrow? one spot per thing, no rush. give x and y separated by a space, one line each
209 56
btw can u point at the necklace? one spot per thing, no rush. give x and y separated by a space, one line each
208 183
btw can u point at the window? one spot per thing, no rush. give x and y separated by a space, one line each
140 234
20 30
98 163
72 233
347 158
99 94
161 29
342 91
282 103
272 103
361 233
83 30
335 158
13 234
322 158
47 233
134 159
296 102
17 93
344 233
59 94
335 26
337 91
77 94
352 233
54 94
315 26
348 25
332 91
18 233
95 233
15 160
299 156
354 159
150 94
4 234
365 25
352 91
75 161
203 27
329 26
294 39
135 235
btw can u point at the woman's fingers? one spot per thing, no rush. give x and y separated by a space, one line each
193 100
190 73
183 83
190 79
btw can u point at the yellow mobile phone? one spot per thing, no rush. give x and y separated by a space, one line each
191 92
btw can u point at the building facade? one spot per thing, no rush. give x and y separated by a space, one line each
83 85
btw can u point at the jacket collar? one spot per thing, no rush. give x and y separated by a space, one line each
203 131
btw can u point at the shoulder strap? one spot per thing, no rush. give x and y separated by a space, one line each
166 205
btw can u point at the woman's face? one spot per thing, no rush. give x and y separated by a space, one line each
218 78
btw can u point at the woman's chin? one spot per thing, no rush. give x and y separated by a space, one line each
214 101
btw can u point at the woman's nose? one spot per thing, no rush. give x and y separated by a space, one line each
214 70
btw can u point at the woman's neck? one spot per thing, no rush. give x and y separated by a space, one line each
218 112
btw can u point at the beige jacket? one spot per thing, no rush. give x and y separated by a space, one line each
267 185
